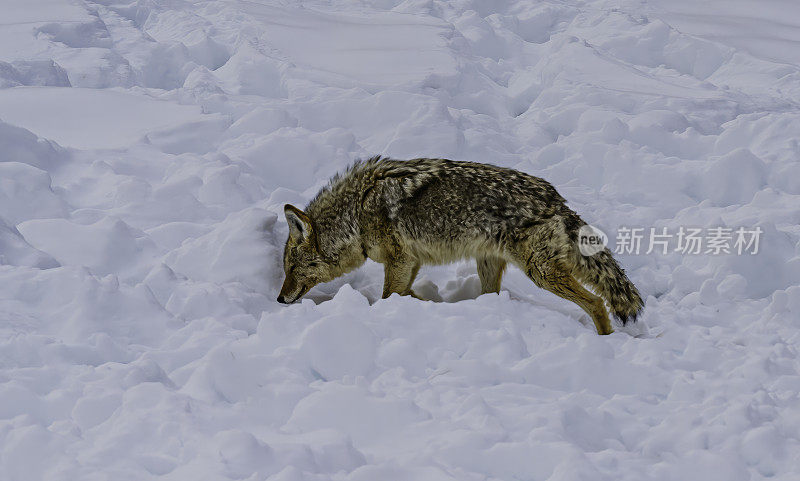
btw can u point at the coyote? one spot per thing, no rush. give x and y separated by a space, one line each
433 211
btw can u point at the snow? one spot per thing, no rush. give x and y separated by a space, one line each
108 119
361 47
763 32
147 150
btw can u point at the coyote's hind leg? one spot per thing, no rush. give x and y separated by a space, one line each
490 272
555 279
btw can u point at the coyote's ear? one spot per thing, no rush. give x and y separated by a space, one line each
299 223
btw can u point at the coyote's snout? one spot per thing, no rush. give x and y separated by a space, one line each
434 211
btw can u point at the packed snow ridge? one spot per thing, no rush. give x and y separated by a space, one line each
147 149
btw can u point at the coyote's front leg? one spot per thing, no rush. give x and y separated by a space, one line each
399 273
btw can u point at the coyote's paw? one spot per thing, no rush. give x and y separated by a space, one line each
414 295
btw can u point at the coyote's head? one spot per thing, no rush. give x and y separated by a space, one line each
303 263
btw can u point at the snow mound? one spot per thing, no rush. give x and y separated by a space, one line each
33 72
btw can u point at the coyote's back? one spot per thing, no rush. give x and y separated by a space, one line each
422 211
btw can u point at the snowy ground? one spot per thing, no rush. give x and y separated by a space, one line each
147 149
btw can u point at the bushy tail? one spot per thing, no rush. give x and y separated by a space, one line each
602 273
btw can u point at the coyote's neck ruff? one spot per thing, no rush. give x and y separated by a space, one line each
433 211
